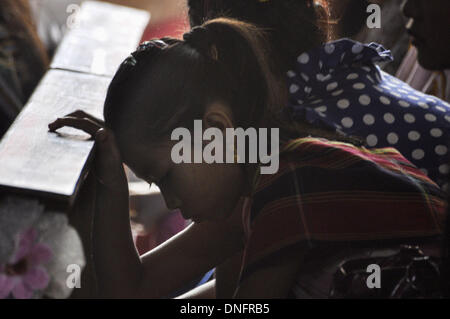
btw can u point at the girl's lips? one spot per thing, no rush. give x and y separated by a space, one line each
187 217
196 219
173 204
172 207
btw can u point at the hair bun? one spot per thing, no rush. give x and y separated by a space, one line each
200 39
194 33
147 45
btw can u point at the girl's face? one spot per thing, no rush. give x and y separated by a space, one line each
201 191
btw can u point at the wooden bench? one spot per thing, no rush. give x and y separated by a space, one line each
52 168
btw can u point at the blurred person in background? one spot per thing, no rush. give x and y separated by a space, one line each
430 31
339 84
23 59
350 18
429 28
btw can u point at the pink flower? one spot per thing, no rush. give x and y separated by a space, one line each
24 273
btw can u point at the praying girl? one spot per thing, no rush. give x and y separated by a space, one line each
329 200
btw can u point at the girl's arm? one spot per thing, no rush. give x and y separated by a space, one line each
227 276
223 286
274 277
165 269
205 291
121 273
187 255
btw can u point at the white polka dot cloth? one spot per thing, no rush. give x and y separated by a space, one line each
339 85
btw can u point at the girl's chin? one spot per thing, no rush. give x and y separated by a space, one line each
193 218
196 220
214 218
201 219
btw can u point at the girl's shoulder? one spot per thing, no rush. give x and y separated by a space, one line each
328 182
331 191
302 156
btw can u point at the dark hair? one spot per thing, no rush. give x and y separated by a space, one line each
168 86
353 18
16 17
169 83
293 26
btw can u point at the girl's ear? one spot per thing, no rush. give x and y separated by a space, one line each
218 115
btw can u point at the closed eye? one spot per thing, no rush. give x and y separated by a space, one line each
149 179
162 179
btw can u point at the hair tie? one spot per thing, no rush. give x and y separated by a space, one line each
200 39
195 33
142 49
147 45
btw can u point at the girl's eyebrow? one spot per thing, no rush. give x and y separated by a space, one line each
159 181
154 180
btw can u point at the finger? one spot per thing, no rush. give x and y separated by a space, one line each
85 125
83 114
78 113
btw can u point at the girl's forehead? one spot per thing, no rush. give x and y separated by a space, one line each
139 155
144 150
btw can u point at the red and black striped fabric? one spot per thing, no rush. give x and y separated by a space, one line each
336 192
